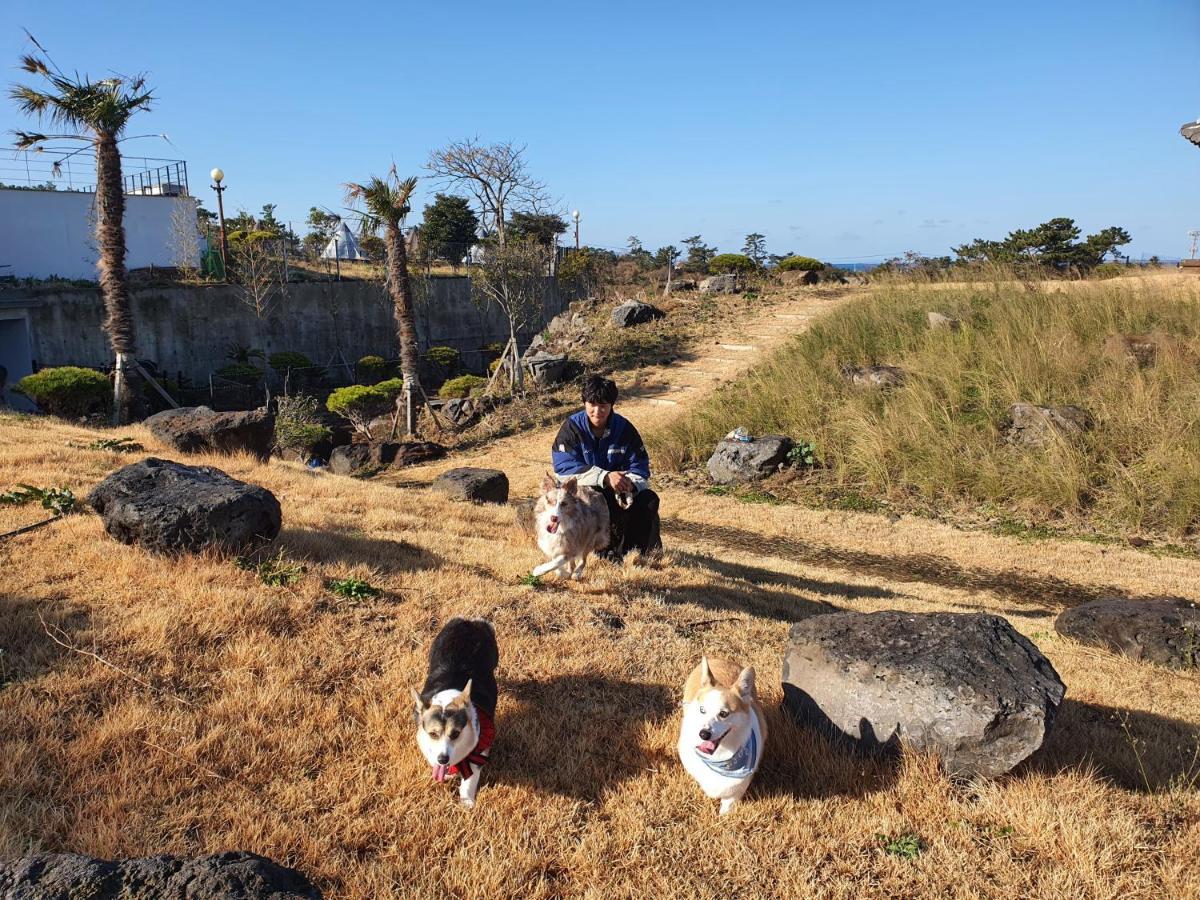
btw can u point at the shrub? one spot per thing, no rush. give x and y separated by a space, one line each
443 356
730 262
800 264
371 369
360 404
462 386
287 359
70 391
242 373
298 427
1108 270
392 388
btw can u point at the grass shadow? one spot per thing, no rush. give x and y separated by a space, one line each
1136 750
781 605
1020 587
26 649
760 576
576 735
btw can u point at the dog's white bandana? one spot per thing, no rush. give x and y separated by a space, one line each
742 763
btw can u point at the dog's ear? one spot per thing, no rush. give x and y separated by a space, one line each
549 483
706 675
745 683
465 696
571 486
421 705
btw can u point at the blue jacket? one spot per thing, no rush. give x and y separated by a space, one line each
578 452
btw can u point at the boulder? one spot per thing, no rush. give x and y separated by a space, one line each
941 322
966 687
197 429
1039 426
546 368
807 276
1166 632
167 506
361 459
883 377
633 312
413 453
478 485
1141 350
720 284
217 877
460 411
737 461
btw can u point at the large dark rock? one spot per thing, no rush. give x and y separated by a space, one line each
633 312
964 686
478 485
874 376
546 368
361 459
221 876
1166 632
197 429
1038 427
412 453
721 284
167 506
739 461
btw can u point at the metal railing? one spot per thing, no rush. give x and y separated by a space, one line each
57 169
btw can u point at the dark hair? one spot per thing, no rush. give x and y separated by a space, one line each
598 389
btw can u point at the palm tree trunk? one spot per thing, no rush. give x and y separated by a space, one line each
110 242
406 327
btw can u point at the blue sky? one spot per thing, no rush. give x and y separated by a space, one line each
840 130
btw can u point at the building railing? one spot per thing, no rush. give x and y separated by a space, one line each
56 169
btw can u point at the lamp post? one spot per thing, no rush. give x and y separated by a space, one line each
218 176
575 216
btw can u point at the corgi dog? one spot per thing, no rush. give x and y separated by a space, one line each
570 523
723 733
455 711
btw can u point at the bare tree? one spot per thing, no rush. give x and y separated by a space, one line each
495 175
185 238
512 278
258 276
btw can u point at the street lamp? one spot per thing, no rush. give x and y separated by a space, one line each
575 216
218 176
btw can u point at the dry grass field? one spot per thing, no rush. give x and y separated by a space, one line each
196 708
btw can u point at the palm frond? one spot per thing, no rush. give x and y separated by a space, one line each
34 66
27 139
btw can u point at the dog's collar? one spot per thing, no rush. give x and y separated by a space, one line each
743 762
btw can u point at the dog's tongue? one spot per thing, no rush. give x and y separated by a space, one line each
707 747
553 526
439 773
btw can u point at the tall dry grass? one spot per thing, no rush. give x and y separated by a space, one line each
940 438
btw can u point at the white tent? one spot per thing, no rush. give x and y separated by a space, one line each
342 245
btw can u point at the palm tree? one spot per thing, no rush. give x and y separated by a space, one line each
95 113
385 203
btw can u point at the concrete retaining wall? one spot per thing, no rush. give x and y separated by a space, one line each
190 330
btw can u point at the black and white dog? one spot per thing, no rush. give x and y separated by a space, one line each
456 710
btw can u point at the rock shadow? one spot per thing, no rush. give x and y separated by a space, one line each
330 546
760 576
1019 587
804 762
763 602
1136 750
576 735
27 651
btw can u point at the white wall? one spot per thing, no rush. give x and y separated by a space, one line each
45 233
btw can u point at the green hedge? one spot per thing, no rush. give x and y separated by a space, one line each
70 391
371 369
462 386
800 264
726 263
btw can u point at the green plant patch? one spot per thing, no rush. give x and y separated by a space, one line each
905 846
354 589
531 580
59 501
112 445
69 391
274 571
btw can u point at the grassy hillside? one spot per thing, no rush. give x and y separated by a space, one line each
939 440
187 705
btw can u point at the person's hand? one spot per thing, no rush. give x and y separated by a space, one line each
619 483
